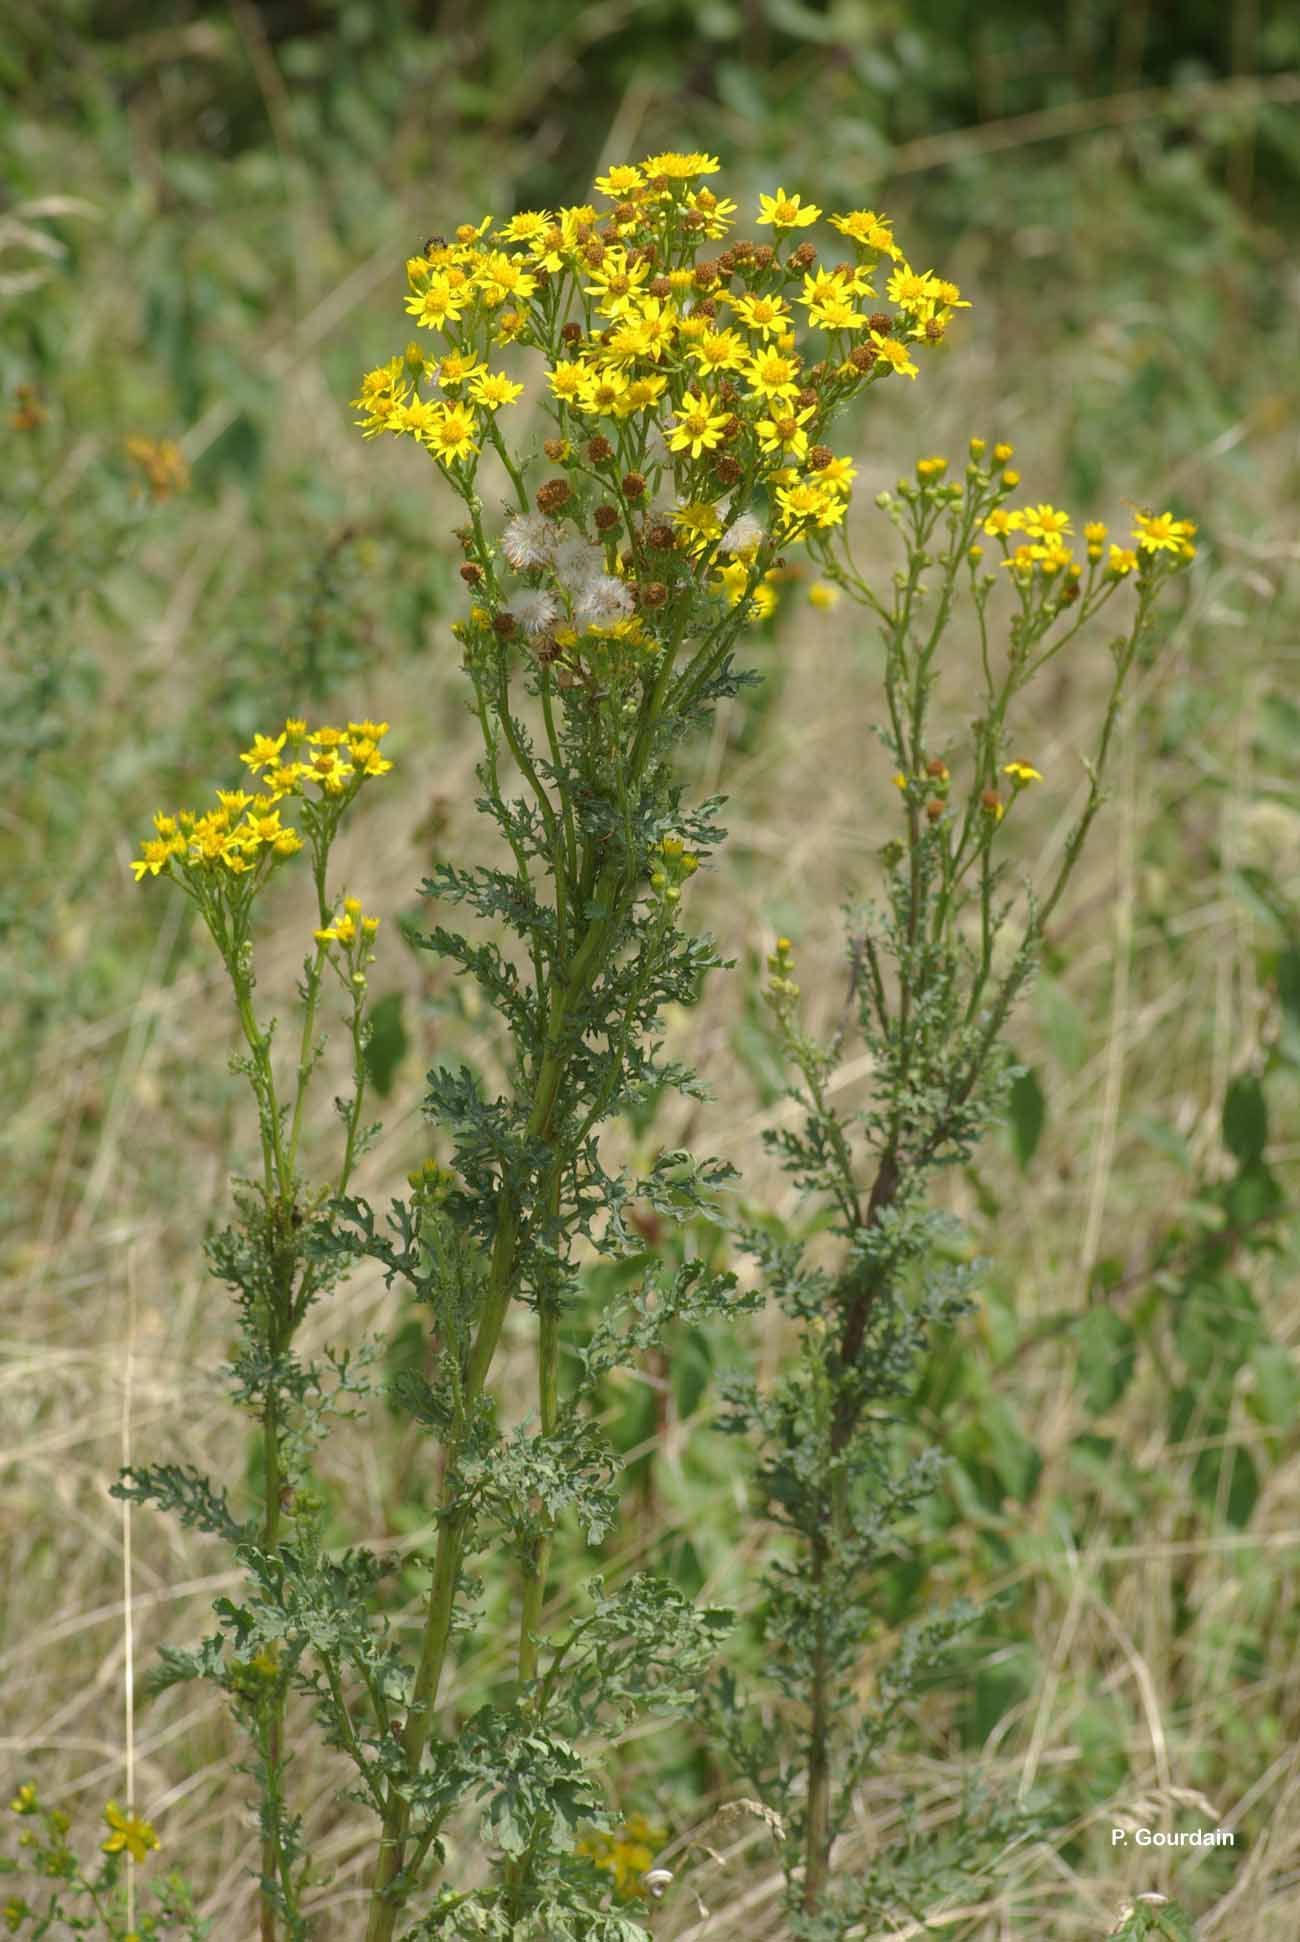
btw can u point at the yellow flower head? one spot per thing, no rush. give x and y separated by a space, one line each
621 182
679 168
129 1832
698 427
1161 532
786 212
890 351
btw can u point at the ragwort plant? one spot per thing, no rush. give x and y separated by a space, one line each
936 967
690 394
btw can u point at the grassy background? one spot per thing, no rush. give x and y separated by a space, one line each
201 235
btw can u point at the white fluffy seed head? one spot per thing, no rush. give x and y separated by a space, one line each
529 539
741 534
576 562
604 598
535 608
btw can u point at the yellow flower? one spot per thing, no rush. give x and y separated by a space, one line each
891 352
263 751
910 289
866 227
773 376
435 307
493 388
154 854
716 212
927 469
617 282
26 1800
620 182
679 167
769 316
1001 453
641 395
456 367
838 474
500 276
1123 561
784 432
786 212
128 1832
1045 522
698 428
720 350
627 1855
569 381
602 392
526 227
1021 773
821 595
451 434
1094 532
1157 532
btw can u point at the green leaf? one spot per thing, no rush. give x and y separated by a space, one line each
1279 726
1275 1397
1107 1352
1064 1026
1009 1451
1027 1112
1288 981
1227 1477
1245 1119
387 1045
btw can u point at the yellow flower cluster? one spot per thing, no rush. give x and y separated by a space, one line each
245 830
627 1854
1046 531
676 358
673 864
162 465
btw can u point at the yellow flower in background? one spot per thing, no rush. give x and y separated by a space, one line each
127 1832
627 1854
1021 773
822 595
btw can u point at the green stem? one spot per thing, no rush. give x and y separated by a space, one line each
273 1749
